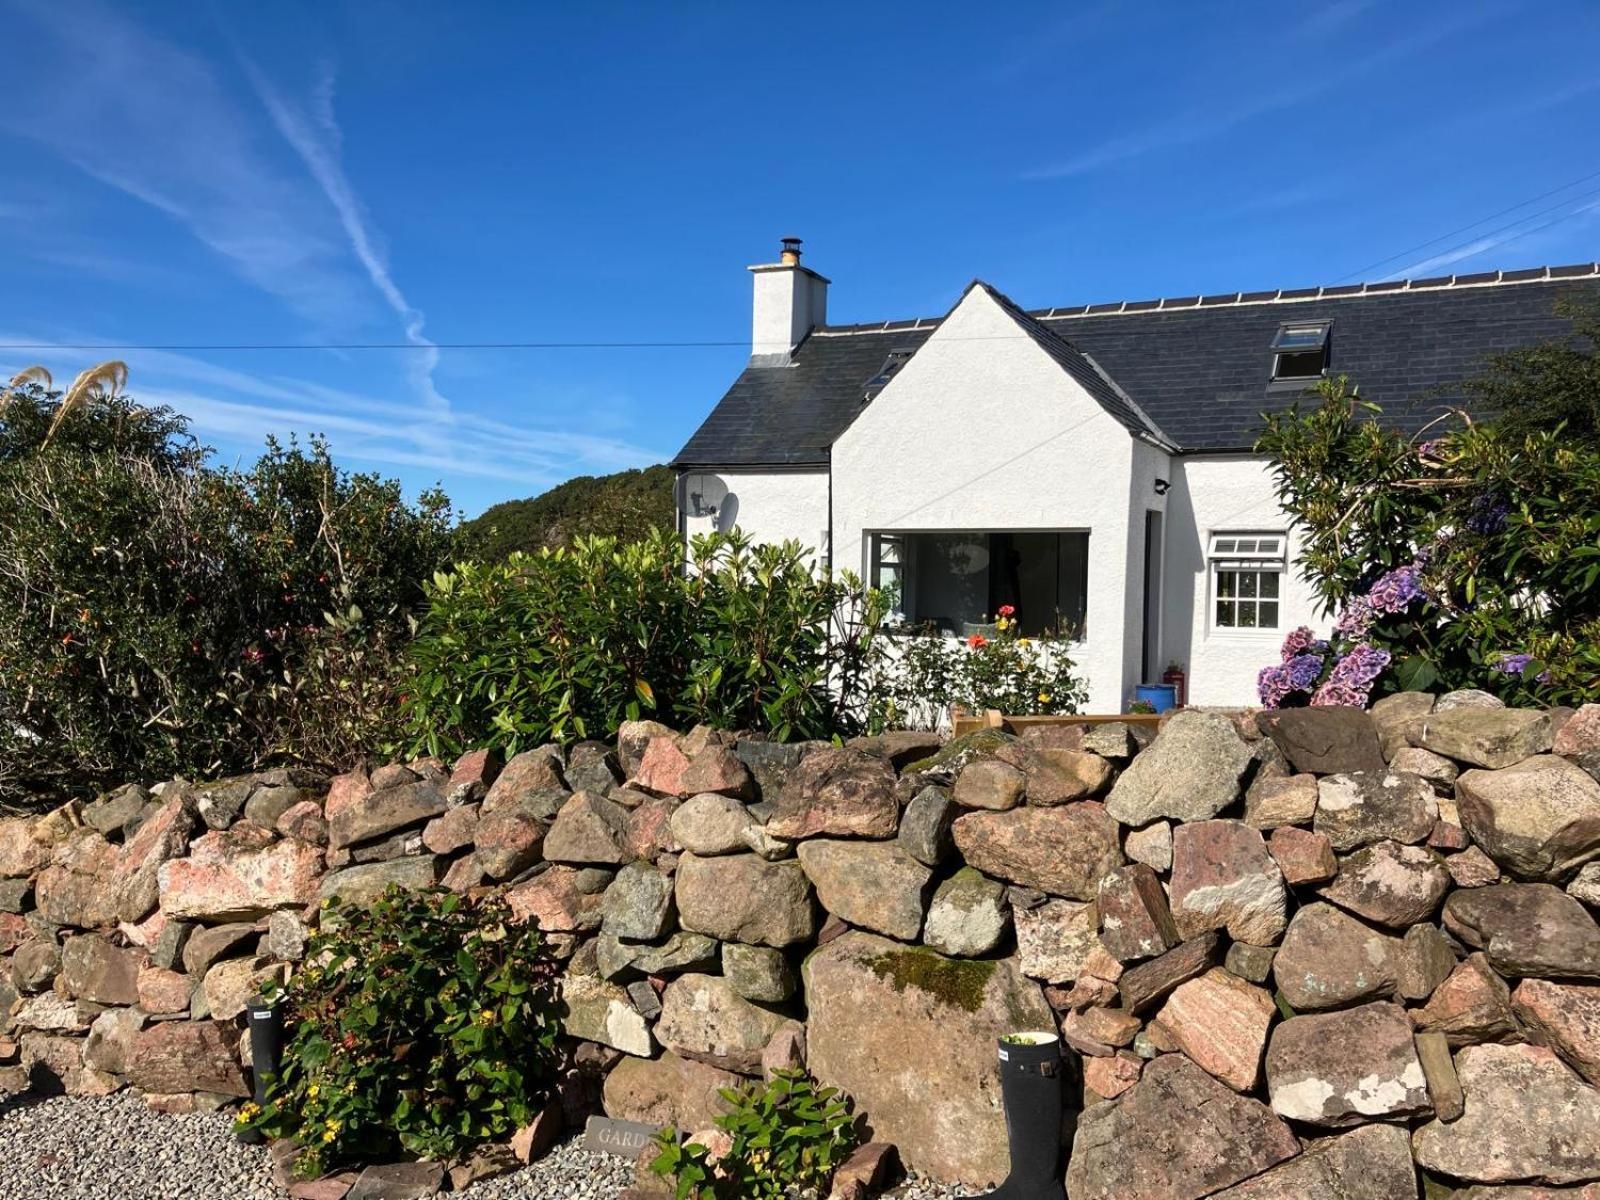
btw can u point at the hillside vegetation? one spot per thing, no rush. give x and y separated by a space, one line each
627 505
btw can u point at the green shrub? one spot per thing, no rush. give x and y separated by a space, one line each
426 1023
1017 675
165 615
626 505
785 1137
1466 557
568 643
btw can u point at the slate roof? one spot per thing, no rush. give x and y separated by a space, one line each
1193 371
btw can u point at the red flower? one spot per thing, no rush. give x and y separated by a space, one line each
977 641
1005 610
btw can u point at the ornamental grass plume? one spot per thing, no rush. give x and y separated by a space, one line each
102 379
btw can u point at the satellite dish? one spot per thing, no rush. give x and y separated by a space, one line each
701 495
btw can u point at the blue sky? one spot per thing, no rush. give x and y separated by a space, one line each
201 174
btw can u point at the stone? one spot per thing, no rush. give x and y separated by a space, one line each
213 943
1324 740
1135 921
589 829
681 1092
1063 851
1250 963
109 813
267 804
1398 719
1177 1134
709 824
21 853
286 937
638 904
162 991
867 1170
111 1037
53 1013
1151 846
948 760
229 985
185 1056
1055 939
555 900
599 1011
381 813
1146 985
649 834
305 823
506 842
1538 819
1528 1118
1223 878
1221 1023
398 1181
220 804
1288 800
540 1135
943 1016
230 877
1346 1068
1426 961
679 953
163 836
989 784
472 776
1390 884
1425 764
1467 698
769 763
925 826
454 830
744 898
361 885
703 1018
1109 1028
1109 739
968 916
1527 929
873 885
1439 1069
1355 810
718 769
1372 1162
1110 1077
661 768
1472 1005
758 973
837 792
482 1163
1056 775
1585 885
1192 771
1472 868
34 966
1486 737
93 969
1304 857
16 895
527 774
1564 1017
1329 959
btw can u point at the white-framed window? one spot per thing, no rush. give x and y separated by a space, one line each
887 568
1246 580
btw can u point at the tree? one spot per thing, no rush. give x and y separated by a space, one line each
627 505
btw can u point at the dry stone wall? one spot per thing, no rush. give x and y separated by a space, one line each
1311 952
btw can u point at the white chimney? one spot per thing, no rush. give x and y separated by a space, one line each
790 301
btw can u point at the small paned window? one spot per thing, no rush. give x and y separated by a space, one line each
1301 351
1246 579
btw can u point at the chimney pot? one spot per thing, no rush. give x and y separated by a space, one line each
790 254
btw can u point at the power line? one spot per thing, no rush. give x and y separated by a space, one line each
176 346
1480 221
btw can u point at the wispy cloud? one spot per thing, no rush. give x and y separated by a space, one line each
314 133
1207 120
1483 245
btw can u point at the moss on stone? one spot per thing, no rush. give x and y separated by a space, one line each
958 982
958 752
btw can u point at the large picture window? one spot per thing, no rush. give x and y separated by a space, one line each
957 581
1246 577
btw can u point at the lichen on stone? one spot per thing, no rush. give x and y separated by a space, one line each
958 752
958 982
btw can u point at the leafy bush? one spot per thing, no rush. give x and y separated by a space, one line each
1019 676
169 616
569 643
427 1023
787 1136
626 505
1466 558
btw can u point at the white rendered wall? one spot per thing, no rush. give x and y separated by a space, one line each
770 506
1213 494
982 430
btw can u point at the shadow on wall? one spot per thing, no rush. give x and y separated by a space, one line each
1184 566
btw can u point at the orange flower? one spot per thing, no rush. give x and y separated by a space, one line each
977 641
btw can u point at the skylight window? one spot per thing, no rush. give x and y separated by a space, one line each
1301 351
891 367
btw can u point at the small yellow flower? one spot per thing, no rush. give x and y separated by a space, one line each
249 1111
312 1091
327 1135
1044 697
1024 642
334 1126
486 1017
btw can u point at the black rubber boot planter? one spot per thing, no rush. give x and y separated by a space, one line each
266 1053
1030 1085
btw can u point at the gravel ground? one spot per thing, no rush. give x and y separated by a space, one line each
115 1148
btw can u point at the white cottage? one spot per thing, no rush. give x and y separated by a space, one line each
1089 465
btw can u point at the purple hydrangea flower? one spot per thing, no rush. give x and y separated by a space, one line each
1516 664
1338 695
1272 685
1434 448
1395 591
1298 641
1487 514
1350 682
1356 619
1303 671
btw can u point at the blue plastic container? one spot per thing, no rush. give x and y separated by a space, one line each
1160 696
